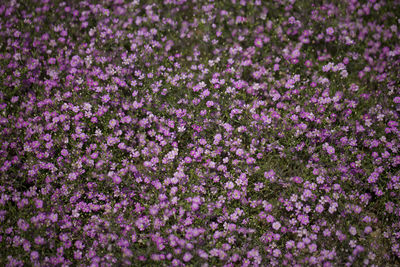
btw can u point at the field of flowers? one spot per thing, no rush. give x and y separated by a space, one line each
199 133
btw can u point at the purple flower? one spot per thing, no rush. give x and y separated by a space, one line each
258 42
319 208
79 244
64 152
276 225
187 257
53 217
34 255
270 218
368 230
73 176
373 178
239 152
330 31
270 175
23 225
297 179
236 194
352 230
112 123
303 219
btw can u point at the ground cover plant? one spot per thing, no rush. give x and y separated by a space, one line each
199 133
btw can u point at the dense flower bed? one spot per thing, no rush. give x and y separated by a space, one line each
200 133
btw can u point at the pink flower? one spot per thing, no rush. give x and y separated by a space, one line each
236 194
330 150
187 257
53 217
217 139
79 244
229 185
290 244
276 252
330 31
319 208
258 42
295 53
23 225
250 160
353 230
39 203
368 229
105 98
276 225
72 176
270 218
312 247
117 179
270 175
64 152
34 255
303 219
112 123
297 179
373 178
239 152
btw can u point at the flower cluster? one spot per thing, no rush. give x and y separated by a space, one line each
200 133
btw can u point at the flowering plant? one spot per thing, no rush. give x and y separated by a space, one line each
200 133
